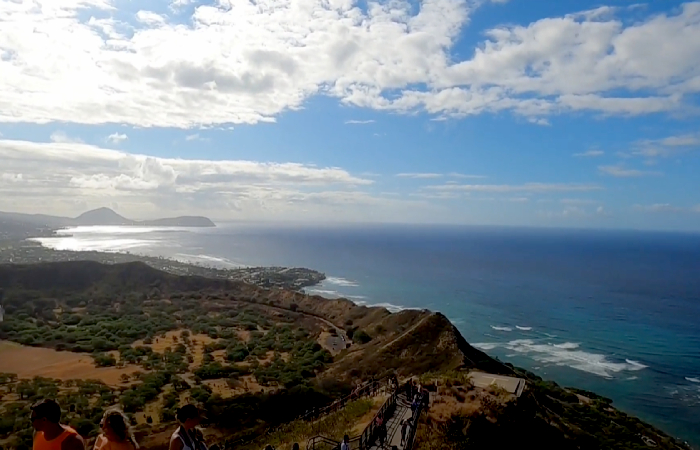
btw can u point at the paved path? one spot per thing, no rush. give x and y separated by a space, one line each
393 425
341 333
511 384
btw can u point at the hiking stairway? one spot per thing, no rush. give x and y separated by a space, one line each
396 409
393 424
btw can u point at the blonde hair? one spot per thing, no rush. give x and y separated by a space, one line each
119 424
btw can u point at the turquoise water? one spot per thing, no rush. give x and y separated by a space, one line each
613 312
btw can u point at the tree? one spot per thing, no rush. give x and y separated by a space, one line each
362 337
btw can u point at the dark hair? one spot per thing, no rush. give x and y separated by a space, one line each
295 446
187 412
117 422
346 438
47 409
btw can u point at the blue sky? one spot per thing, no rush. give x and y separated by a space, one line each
567 114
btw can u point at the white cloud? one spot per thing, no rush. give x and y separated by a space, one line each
574 211
431 175
358 122
61 137
577 201
661 208
667 147
177 5
117 138
195 137
464 176
11 177
540 121
58 174
87 66
590 154
621 172
527 187
420 175
151 18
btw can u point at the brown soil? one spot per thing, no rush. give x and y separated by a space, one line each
29 362
243 335
172 338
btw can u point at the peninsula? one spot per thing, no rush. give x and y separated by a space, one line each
100 217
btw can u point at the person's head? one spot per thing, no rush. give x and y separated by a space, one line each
115 426
295 446
45 414
189 416
269 447
346 438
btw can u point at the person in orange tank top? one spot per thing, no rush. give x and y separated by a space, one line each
116 433
50 434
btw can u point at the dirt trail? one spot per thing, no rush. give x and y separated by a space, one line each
405 333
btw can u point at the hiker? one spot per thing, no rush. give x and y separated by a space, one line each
381 430
50 434
346 443
116 433
404 429
187 436
414 407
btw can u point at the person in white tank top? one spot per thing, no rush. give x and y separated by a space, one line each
187 437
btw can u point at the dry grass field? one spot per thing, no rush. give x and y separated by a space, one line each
30 362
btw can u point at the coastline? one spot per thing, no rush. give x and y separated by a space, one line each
30 251
363 302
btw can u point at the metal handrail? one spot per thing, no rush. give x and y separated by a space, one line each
369 434
314 441
414 427
367 390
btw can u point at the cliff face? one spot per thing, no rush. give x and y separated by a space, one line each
413 343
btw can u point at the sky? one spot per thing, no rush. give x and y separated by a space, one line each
503 112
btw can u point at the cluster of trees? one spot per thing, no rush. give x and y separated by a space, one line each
105 313
84 403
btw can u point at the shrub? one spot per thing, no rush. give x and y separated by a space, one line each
104 360
362 337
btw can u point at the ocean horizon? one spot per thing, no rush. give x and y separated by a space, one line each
615 312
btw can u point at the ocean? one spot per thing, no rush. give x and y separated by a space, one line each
615 312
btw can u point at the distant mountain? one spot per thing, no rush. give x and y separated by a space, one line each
102 216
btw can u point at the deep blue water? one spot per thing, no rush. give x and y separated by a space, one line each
613 312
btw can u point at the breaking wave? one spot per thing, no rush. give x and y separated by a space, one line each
337 281
567 354
501 328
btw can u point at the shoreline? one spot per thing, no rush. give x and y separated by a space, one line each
161 260
31 251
